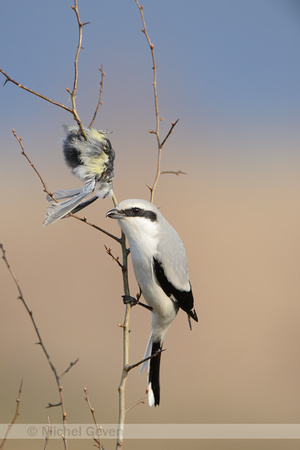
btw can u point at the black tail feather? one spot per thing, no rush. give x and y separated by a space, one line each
154 371
192 313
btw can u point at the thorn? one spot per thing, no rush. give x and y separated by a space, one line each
150 188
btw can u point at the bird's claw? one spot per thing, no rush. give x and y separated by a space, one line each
132 301
128 299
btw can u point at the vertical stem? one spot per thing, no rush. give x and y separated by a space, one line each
158 171
157 117
79 46
76 72
122 412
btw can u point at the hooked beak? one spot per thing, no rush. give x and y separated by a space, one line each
114 214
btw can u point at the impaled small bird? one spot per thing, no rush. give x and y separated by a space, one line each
91 158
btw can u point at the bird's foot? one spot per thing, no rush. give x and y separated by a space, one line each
132 301
128 299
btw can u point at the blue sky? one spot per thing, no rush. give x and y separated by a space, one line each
229 70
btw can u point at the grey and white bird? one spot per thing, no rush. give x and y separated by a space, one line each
161 270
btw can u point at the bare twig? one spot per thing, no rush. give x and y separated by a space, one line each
139 402
128 368
84 220
19 139
49 432
116 259
97 438
172 172
173 125
60 105
53 405
41 343
72 363
100 96
14 418
156 132
114 198
72 93
157 116
76 73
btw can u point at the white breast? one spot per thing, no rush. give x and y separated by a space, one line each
164 308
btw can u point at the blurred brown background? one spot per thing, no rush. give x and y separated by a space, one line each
240 363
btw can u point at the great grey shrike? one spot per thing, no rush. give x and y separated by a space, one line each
161 269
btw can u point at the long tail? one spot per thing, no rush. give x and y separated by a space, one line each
152 366
153 375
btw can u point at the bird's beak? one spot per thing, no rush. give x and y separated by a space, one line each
114 214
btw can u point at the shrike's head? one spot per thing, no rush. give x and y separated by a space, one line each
137 218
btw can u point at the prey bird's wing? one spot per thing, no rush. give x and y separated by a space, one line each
59 195
58 210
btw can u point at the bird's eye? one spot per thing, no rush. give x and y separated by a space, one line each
136 211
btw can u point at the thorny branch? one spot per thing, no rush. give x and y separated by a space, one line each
116 259
97 438
76 73
48 434
19 139
157 116
84 220
15 416
139 402
128 368
72 93
41 343
60 105
100 96
72 363
126 331
173 172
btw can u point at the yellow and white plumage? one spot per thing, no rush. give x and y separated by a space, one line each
91 158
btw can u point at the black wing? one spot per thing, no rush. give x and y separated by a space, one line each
184 299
